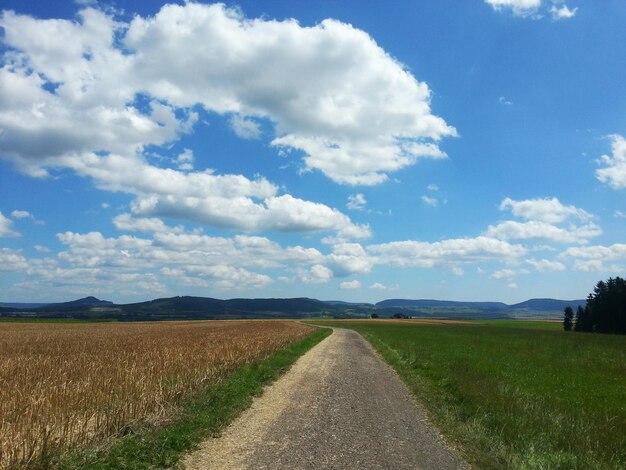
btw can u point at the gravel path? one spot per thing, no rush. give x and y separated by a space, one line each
339 407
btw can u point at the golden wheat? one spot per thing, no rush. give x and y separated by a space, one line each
64 386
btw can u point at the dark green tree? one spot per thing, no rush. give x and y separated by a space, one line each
606 307
605 311
568 318
580 319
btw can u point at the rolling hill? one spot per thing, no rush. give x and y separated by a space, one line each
188 308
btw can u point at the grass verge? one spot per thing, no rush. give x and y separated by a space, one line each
200 416
512 395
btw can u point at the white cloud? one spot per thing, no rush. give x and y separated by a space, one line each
594 258
349 258
244 127
330 90
549 210
457 271
42 249
350 285
167 259
224 277
317 274
434 200
12 260
534 8
5 227
535 230
613 252
378 286
71 97
143 224
356 202
446 252
184 160
505 102
545 265
17 214
430 201
503 274
518 7
560 13
614 171
512 285
229 201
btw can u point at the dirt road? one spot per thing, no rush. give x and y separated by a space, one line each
338 407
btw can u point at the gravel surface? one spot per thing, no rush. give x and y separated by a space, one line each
339 407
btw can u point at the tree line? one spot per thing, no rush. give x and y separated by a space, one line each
605 311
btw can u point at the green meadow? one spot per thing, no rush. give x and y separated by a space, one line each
514 394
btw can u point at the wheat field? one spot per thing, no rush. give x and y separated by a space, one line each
64 386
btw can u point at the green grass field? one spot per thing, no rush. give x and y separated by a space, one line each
514 394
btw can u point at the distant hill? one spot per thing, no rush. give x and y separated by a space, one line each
21 305
429 303
80 303
548 304
348 304
533 308
207 308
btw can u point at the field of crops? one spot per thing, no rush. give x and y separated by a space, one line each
68 385
515 394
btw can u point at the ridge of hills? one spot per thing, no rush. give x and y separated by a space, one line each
195 308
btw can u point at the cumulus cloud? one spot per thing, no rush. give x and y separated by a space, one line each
245 128
6 229
356 202
430 201
143 224
184 160
549 210
17 214
536 230
329 90
166 260
446 252
503 274
543 217
534 8
518 7
346 285
349 258
12 260
545 265
594 258
612 252
614 171
229 201
378 286
179 259
92 94
563 12
317 274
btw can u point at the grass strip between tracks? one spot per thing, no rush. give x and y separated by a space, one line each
202 415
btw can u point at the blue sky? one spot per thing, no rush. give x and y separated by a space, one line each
338 150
